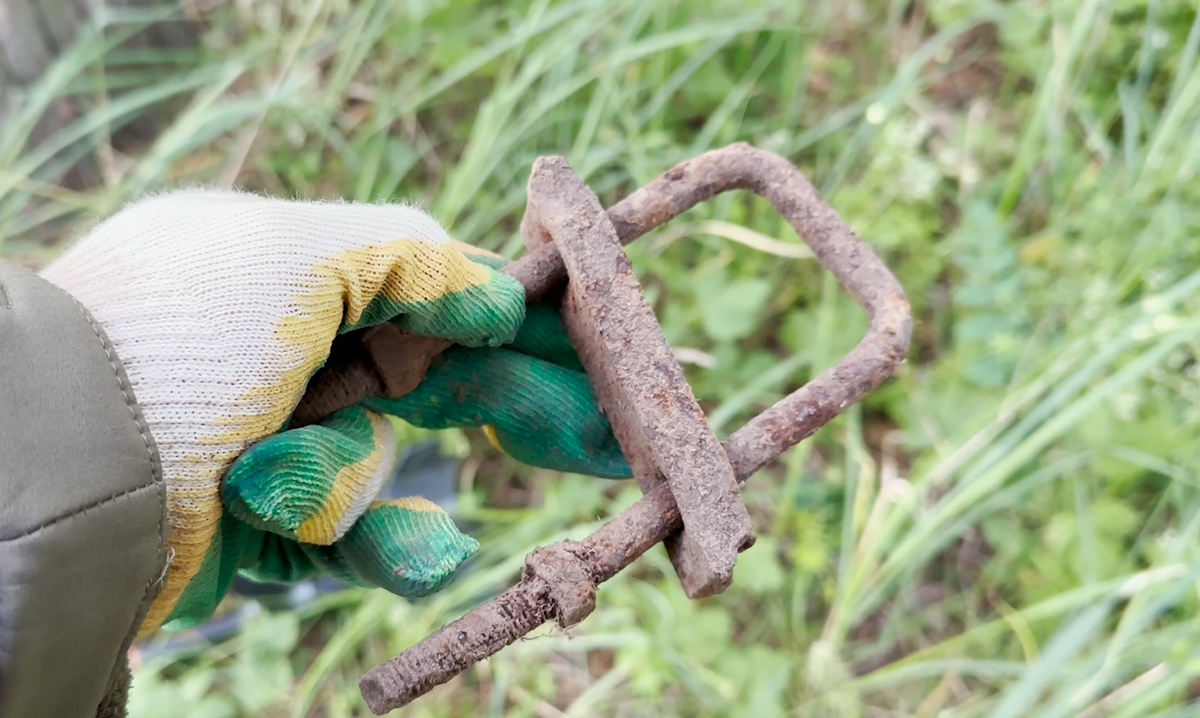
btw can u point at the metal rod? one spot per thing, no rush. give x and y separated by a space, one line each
551 587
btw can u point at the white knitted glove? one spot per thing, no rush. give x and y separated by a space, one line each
221 306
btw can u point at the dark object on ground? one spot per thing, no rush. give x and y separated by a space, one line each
567 231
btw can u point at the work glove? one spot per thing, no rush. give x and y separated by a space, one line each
222 305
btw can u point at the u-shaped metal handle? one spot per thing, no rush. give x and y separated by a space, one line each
559 581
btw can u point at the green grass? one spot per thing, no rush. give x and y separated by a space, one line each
1008 528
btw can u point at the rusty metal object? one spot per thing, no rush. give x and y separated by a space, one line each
559 581
737 166
491 626
638 383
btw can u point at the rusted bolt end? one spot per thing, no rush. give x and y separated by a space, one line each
570 584
379 691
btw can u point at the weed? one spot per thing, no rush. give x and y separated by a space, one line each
1008 528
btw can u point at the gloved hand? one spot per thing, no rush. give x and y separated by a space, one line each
222 305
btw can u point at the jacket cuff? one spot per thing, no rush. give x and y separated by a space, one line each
82 505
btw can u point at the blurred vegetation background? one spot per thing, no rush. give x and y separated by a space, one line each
1007 528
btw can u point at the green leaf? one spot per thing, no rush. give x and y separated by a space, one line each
758 568
733 310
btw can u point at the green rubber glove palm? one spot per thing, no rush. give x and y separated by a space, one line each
222 305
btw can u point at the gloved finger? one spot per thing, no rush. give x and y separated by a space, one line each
409 547
259 555
311 484
479 255
431 289
276 559
542 334
541 414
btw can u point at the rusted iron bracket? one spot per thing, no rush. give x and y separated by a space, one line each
638 383
653 414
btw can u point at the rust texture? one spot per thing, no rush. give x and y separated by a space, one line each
638 383
399 378
503 620
656 517
570 587
458 645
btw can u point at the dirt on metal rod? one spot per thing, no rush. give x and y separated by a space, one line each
639 385
534 600
559 581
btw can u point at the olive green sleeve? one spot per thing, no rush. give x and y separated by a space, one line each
82 508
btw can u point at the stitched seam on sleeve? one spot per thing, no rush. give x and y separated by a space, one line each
78 512
125 392
165 552
156 477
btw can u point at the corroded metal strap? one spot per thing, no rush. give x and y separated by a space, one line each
638 383
559 581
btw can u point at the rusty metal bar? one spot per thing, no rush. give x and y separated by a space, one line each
536 599
638 383
553 585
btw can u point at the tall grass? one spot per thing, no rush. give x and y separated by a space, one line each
1008 528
